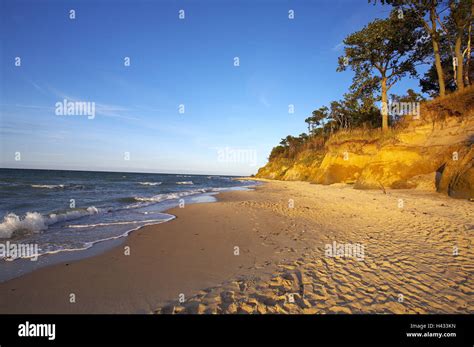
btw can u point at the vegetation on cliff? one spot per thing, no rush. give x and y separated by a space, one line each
434 152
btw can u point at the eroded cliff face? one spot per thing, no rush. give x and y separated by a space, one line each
435 154
425 156
303 168
456 178
344 162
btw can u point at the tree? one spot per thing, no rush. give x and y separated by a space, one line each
316 119
461 20
340 114
361 109
427 14
429 82
382 53
304 137
277 151
410 98
467 52
455 49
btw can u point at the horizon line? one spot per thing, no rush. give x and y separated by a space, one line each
132 172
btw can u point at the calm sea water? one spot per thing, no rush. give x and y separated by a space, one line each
73 210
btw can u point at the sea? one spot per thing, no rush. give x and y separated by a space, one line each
72 211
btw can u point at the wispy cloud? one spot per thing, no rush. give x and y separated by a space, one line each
114 111
27 106
102 109
39 88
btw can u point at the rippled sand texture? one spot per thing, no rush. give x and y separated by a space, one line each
418 255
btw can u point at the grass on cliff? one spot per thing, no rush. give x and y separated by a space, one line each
363 135
458 104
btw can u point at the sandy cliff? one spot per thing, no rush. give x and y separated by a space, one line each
434 152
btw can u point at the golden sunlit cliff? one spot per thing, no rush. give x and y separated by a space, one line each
434 152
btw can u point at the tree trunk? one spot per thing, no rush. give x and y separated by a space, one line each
468 48
435 42
384 104
459 60
468 61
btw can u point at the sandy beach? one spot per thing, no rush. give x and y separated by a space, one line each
266 251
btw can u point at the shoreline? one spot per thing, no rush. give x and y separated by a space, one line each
280 252
102 249
21 267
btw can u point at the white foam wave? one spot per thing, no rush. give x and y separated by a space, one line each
88 245
81 226
185 182
170 196
47 186
149 183
219 178
34 222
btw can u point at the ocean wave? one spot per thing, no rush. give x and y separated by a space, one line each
185 182
219 178
149 183
47 186
170 196
89 244
146 200
81 226
57 186
34 222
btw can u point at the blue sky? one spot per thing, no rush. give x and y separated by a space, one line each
173 62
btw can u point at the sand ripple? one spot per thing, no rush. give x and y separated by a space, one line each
418 258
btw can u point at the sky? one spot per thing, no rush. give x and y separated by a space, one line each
233 115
